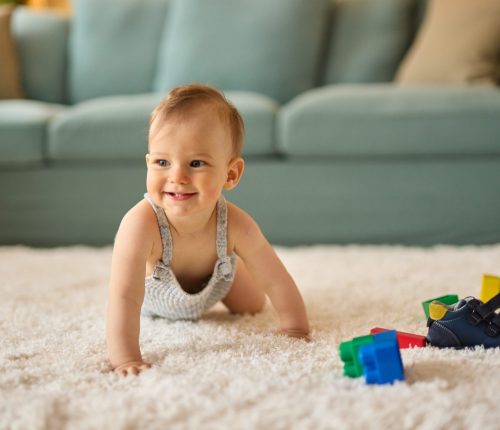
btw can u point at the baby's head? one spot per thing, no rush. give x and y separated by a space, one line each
189 103
194 149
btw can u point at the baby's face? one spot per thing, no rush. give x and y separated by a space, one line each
188 162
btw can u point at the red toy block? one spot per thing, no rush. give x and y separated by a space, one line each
405 340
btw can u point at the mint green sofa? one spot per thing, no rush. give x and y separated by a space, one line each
335 152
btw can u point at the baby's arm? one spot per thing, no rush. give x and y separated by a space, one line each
132 246
269 272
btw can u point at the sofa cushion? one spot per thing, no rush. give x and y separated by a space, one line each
23 126
367 40
10 83
107 128
381 120
268 47
114 47
41 41
459 43
116 127
259 115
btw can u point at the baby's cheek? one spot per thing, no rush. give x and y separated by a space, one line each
149 185
153 179
215 192
153 187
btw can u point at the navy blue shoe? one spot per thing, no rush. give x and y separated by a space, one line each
466 324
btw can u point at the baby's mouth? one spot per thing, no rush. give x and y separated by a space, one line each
179 196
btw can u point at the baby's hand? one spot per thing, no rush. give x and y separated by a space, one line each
296 333
131 368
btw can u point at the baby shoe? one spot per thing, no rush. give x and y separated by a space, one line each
468 323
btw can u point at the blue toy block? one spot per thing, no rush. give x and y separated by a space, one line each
381 359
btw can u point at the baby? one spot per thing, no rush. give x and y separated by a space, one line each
183 248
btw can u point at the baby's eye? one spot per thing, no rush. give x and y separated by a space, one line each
197 163
162 163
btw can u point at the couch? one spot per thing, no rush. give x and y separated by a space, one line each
335 150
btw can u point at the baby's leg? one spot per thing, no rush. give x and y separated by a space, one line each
245 296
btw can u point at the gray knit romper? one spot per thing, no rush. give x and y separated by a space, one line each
164 297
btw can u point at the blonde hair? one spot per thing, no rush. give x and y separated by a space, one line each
181 100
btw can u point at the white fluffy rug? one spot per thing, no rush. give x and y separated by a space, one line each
230 372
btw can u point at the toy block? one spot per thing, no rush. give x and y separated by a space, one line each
448 299
348 352
381 359
405 340
489 288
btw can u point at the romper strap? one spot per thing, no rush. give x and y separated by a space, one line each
221 227
166 238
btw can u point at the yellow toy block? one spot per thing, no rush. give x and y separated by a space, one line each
437 310
490 287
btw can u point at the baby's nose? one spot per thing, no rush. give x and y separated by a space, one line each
178 175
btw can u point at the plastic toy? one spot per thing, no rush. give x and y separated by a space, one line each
489 288
405 340
448 299
348 352
381 359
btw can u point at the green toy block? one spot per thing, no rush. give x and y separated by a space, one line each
348 352
448 299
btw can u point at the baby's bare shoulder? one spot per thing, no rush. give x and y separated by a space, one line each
139 224
237 217
241 226
141 215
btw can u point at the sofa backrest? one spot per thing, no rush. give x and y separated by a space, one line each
269 47
113 46
367 39
138 46
41 42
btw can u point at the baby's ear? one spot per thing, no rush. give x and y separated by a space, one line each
234 173
147 159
